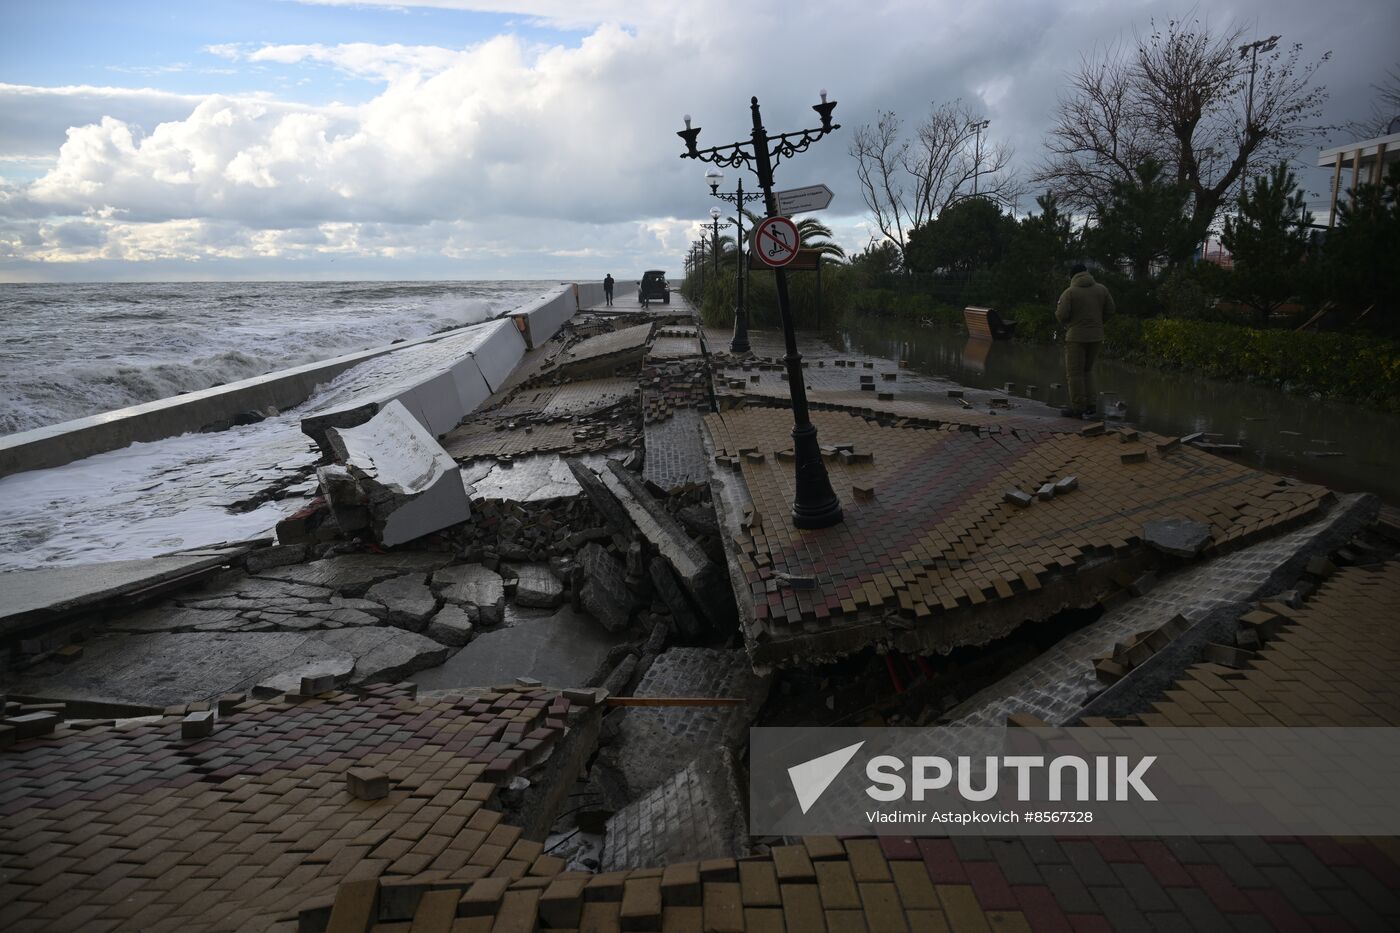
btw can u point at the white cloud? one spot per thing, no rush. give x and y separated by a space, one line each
511 153
362 59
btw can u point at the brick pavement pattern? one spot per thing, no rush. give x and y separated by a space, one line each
824 884
1331 662
135 828
254 828
675 451
930 545
1057 683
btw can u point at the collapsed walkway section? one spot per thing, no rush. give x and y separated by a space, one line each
955 534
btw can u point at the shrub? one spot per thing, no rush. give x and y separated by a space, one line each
1035 323
1331 365
1122 336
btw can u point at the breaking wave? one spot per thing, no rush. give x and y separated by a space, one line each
76 350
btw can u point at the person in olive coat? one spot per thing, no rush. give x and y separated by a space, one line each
608 289
1082 309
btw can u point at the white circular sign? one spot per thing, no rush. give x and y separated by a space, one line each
776 241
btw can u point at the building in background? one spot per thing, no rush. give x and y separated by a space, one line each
1366 160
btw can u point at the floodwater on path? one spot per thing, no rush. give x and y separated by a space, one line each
1280 433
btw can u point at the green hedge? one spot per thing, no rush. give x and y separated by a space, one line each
1329 365
1034 323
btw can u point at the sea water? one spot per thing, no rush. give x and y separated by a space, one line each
72 350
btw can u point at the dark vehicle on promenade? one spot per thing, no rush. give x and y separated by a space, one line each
653 287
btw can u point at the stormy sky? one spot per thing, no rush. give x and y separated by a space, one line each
471 139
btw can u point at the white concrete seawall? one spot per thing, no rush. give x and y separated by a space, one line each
473 366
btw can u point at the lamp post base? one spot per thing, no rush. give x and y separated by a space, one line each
740 342
815 505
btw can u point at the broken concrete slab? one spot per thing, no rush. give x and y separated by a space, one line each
562 649
706 582
699 520
36 597
406 481
385 654
350 617
407 600
536 586
170 668
276 556
235 589
473 585
437 380
352 574
697 813
687 623
169 618
360 605
337 665
604 594
452 625
604 353
603 500
1179 537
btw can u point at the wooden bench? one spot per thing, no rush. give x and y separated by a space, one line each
986 324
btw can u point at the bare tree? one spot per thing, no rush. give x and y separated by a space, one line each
1099 137
908 182
1385 109
1189 98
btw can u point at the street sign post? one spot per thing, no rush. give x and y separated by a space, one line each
802 200
776 241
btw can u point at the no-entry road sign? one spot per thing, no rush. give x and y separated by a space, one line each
802 200
776 241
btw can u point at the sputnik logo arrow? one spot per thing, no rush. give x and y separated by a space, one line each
811 778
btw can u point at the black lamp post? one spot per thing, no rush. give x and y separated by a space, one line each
1252 50
740 342
815 504
716 227
698 250
977 127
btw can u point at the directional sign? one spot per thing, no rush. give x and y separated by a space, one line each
776 241
802 200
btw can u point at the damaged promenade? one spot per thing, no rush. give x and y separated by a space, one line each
498 674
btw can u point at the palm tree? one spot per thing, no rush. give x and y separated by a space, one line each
814 234
817 236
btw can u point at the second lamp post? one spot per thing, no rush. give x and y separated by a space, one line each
716 227
740 341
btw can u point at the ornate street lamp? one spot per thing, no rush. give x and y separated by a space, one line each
977 127
716 227
713 177
1252 49
815 504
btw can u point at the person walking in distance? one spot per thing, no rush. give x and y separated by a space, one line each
608 289
1082 309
